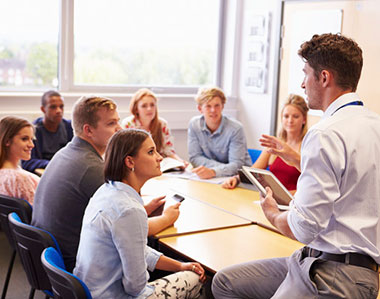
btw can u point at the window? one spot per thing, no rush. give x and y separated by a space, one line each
145 42
109 45
29 44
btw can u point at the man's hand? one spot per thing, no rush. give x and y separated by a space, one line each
276 217
154 204
204 172
269 205
230 183
278 147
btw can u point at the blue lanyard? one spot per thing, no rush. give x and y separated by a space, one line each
354 103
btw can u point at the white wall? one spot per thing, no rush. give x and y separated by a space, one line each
255 108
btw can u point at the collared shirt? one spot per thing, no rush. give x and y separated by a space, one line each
224 151
337 204
113 256
167 145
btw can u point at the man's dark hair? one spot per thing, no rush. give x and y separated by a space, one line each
336 53
123 143
50 93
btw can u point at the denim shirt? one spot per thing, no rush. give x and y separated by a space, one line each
113 256
224 151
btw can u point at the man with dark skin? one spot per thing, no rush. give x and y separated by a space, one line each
52 131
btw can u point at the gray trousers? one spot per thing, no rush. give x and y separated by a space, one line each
295 277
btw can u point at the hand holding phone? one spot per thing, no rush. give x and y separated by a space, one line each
158 211
178 198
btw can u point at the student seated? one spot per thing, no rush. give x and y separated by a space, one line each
113 256
216 143
52 131
16 143
143 107
294 128
79 167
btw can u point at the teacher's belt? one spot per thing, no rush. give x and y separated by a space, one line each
355 259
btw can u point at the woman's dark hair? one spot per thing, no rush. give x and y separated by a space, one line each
123 143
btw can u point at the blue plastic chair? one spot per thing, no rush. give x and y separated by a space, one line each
64 284
254 154
30 242
24 209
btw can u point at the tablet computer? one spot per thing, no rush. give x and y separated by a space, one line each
264 178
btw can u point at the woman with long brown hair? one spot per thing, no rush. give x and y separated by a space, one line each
113 256
16 143
143 107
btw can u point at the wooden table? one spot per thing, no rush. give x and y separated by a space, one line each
241 202
221 248
195 215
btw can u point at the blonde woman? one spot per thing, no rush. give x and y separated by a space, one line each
294 128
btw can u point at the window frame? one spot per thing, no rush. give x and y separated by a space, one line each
66 59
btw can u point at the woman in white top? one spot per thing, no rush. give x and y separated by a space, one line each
113 255
16 143
143 107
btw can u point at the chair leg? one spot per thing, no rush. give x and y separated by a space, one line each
31 294
8 277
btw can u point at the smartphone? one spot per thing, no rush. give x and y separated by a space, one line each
158 211
178 198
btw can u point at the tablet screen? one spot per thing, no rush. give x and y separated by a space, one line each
264 178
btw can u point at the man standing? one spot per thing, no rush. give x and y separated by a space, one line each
216 143
52 131
336 208
76 172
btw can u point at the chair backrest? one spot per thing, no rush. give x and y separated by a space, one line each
11 204
30 242
254 154
64 284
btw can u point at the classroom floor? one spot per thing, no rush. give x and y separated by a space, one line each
18 287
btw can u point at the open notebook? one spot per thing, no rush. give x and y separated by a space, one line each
170 164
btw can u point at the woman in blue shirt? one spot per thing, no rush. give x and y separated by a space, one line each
113 256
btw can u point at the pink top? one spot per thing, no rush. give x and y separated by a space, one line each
18 183
167 146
